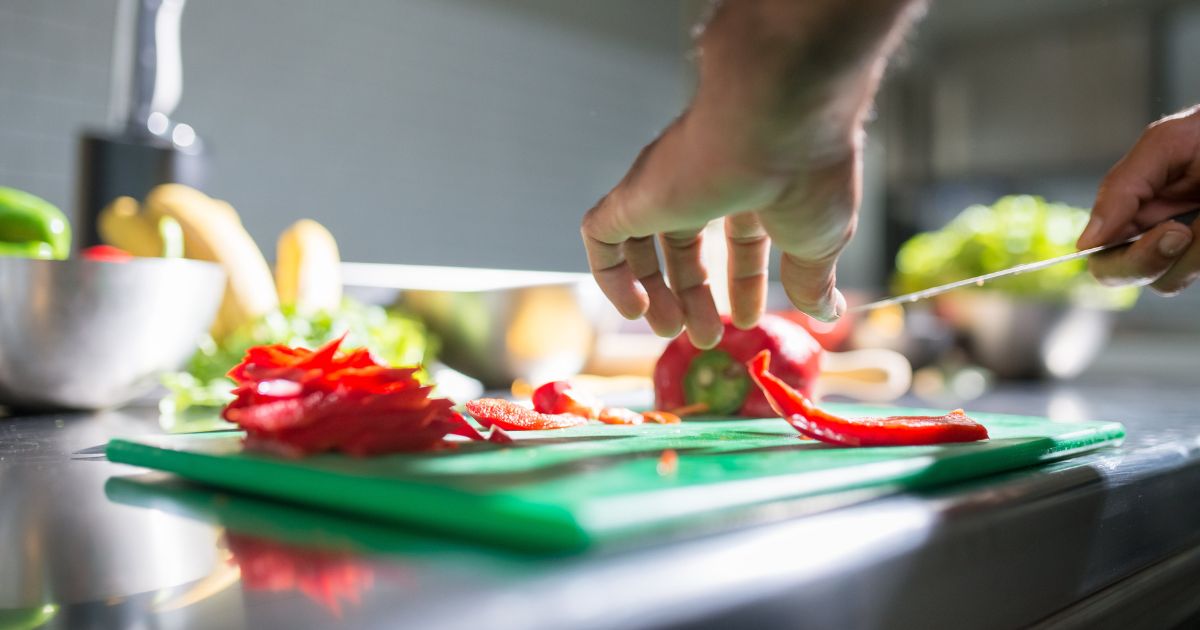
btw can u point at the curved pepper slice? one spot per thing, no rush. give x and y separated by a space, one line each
561 397
660 417
620 415
810 421
510 416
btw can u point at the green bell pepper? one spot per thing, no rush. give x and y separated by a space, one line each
30 249
28 222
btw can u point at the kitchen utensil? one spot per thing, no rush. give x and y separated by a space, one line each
907 298
573 488
494 325
91 334
149 148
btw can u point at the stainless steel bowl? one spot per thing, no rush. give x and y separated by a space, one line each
1024 339
90 334
495 325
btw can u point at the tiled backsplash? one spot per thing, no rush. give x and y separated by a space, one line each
422 131
54 73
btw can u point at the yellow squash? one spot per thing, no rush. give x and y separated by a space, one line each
213 231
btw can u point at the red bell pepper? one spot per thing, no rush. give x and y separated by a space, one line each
812 422
295 401
106 253
716 380
495 412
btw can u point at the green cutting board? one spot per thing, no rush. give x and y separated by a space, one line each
572 488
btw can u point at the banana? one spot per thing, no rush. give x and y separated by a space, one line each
212 231
122 225
307 268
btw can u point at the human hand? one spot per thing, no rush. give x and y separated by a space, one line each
772 142
676 186
1158 179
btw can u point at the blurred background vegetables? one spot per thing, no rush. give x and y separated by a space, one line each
1052 322
31 227
394 338
301 304
1014 230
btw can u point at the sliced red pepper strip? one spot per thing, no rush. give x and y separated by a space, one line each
620 415
513 417
661 417
561 397
806 418
498 436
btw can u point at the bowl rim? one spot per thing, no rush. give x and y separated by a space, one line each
136 261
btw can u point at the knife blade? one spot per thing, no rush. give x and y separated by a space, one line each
915 296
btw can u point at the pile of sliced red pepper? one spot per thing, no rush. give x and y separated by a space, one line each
296 401
812 422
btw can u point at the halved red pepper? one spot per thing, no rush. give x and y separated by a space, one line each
812 422
715 381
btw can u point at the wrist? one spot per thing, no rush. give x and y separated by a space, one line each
791 83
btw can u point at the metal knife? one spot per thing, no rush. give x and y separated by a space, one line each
907 298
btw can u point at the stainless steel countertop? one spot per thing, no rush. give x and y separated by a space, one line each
1002 552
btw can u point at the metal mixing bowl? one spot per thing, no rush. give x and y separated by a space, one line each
89 334
495 325
1026 339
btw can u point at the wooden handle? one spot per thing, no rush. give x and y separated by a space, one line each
874 375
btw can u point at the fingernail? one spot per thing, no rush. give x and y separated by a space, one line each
1092 229
839 304
1173 243
833 314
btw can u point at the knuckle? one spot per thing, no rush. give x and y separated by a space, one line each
682 241
588 227
836 240
1160 127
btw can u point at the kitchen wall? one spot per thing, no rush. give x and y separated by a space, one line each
54 79
476 132
465 132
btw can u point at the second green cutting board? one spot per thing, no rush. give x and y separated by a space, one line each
570 489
